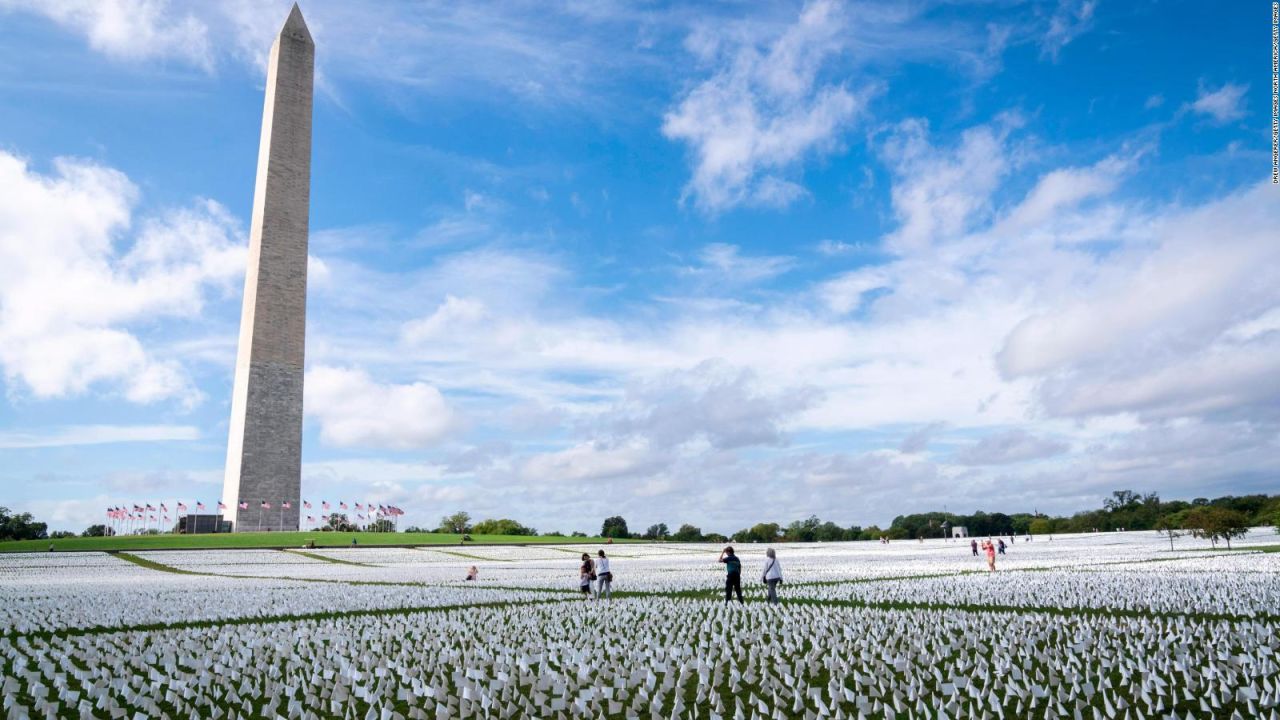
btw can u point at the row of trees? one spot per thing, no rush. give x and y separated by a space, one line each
20 526
1221 519
1124 509
1208 522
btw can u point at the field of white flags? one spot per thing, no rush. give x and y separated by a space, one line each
1113 625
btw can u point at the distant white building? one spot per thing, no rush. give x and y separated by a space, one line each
959 531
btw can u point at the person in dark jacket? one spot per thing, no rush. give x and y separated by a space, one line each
733 574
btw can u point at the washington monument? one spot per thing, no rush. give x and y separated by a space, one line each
264 451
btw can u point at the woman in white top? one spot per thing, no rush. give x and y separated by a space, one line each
772 574
604 578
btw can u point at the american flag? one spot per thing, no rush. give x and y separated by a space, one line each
359 507
266 505
306 505
163 508
150 506
200 505
182 507
244 506
324 504
310 519
222 505
342 505
286 505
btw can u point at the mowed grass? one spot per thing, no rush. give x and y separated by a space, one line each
276 540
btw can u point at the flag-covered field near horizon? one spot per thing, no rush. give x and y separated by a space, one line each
1110 625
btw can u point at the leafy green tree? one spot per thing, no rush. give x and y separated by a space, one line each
714 538
1041 526
829 532
1170 526
20 526
687 533
97 531
804 530
614 527
657 532
503 526
338 522
872 532
458 523
760 532
1216 523
61 535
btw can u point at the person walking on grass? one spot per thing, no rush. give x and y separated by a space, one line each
973 545
733 574
990 549
772 574
604 578
1001 546
586 574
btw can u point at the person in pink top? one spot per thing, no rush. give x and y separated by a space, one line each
990 549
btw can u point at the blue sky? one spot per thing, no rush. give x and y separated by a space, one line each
712 263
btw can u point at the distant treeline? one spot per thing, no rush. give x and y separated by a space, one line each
1219 518
1124 509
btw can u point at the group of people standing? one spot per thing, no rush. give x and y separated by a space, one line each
771 575
594 576
989 549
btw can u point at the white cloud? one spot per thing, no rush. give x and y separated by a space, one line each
1224 104
1011 446
725 406
129 29
355 411
70 286
97 435
939 195
764 111
1060 190
1071 20
453 315
726 262
591 461
1156 326
844 293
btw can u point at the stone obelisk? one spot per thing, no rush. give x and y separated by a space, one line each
264 452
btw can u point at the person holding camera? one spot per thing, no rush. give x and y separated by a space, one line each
733 574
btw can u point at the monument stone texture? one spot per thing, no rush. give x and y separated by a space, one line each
264 452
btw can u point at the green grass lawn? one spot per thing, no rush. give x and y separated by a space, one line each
276 540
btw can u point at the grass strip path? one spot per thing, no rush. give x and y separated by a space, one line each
322 558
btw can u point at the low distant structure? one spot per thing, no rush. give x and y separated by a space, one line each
202 524
959 531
